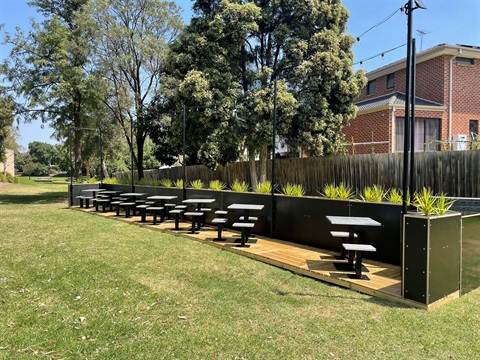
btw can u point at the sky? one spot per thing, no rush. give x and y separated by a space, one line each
379 24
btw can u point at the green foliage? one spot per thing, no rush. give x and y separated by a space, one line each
111 180
125 181
79 180
179 183
10 178
196 184
395 196
92 180
443 205
425 202
35 169
264 188
43 153
375 193
166 183
3 178
344 192
154 182
239 186
293 190
216 185
143 182
330 191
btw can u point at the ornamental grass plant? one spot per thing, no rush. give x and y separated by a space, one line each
239 186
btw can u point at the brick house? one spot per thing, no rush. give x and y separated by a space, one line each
447 104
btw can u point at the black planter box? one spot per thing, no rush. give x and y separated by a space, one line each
432 261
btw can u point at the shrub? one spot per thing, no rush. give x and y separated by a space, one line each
344 192
374 193
125 181
443 205
3 178
179 184
425 202
330 191
395 196
264 188
154 182
167 183
293 190
239 186
216 185
92 180
111 180
196 184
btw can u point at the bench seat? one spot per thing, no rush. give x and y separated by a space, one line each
196 215
244 226
219 222
357 249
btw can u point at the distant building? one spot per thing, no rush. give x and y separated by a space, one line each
447 104
9 165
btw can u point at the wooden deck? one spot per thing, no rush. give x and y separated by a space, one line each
384 280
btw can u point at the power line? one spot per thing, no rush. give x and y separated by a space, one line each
382 54
378 24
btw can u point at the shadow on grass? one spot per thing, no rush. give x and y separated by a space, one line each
43 198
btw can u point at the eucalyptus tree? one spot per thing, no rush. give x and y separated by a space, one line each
130 38
48 71
300 45
6 121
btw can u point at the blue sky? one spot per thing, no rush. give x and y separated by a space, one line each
444 21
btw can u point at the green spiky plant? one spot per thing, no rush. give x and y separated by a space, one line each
264 188
92 180
179 183
154 182
239 186
344 192
196 184
330 191
425 202
293 190
166 183
216 185
374 193
442 204
395 196
111 180
142 182
125 181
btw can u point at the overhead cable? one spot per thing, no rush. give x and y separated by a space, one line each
378 24
382 54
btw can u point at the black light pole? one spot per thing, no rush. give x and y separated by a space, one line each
412 127
406 144
183 152
274 140
131 153
71 164
101 156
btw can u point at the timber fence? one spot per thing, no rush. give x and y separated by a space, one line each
455 173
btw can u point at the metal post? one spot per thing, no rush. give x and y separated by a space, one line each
412 124
131 152
406 142
183 151
102 175
71 164
274 140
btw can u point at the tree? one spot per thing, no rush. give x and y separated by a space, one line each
299 44
48 68
42 153
6 121
130 39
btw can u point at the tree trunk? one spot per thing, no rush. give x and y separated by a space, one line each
263 164
253 167
87 167
104 169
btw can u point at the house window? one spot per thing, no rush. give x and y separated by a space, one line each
372 87
427 134
464 61
390 80
473 129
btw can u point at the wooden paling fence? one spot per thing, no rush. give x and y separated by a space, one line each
455 173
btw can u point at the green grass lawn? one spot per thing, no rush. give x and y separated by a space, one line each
77 286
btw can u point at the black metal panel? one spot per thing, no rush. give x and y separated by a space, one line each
77 191
445 251
387 238
302 220
415 259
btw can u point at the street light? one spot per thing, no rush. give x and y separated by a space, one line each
410 71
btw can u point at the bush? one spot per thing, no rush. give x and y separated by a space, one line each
293 190
154 182
167 183
111 180
216 185
374 193
179 184
395 196
196 184
92 180
344 192
264 188
239 186
142 182
330 191
3 178
125 181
